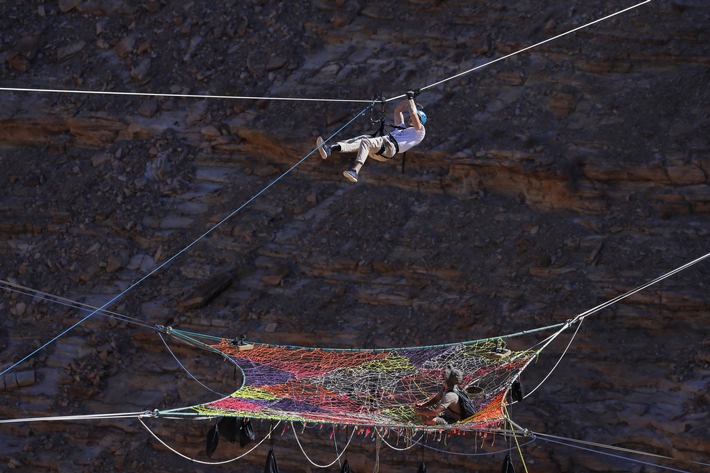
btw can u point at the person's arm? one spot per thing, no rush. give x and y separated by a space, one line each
432 400
429 413
399 113
429 403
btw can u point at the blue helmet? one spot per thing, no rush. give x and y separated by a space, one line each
422 116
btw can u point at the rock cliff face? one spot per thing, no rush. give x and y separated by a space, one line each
549 182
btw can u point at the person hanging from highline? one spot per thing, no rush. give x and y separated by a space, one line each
405 136
443 408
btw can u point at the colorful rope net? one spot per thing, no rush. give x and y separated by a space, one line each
366 387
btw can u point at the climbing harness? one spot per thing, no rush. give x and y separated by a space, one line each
378 117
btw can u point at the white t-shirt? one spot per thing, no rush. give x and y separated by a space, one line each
408 138
449 400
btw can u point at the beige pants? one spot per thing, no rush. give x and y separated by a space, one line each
367 146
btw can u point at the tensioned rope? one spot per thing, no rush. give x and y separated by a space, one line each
616 299
580 317
547 437
159 267
41 295
44 296
176 255
183 96
118 415
569 442
294 99
540 43
184 368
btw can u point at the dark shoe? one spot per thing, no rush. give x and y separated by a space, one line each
351 174
323 149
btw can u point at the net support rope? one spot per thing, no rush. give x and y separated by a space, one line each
580 317
335 446
117 415
616 299
559 360
44 296
202 462
569 442
182 96
308 458
184 368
